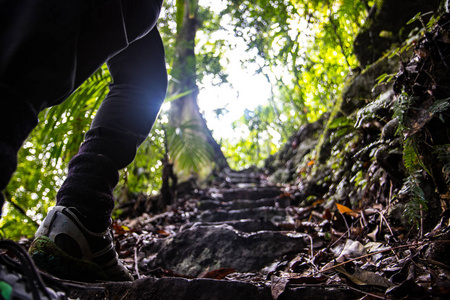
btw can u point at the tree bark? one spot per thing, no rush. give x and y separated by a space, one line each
184 79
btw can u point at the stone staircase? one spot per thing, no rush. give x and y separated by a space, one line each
237 230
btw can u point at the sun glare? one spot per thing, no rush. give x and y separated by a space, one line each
245 90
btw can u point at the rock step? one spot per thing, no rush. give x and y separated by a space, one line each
260 213
202 289
240 177
253 193
243 203
200 248
246 225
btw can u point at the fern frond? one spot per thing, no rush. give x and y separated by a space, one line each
187 147
410 155
369 111
439 106
417 202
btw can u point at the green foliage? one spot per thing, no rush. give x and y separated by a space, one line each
401 107
187 148
411 159
303 47
259 129
438 107
369 111
411 155
413 36
417 202
443 155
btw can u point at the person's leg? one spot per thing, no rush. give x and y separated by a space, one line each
121 124
78 227
30 32
46 67
50 47
85 200
16 123
39 46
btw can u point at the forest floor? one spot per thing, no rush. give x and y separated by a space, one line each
241 238
338 229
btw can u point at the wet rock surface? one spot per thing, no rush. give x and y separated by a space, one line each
204 247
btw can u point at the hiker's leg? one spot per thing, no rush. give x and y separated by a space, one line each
37 61
123 121
47 49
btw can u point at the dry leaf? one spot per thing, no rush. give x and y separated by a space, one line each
345 210
364 277
277 286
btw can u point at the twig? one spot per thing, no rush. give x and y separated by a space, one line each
421 221
435 262
381 251
136 268
387 223
391 191
346 224
311 256
20 209
339 238
365 293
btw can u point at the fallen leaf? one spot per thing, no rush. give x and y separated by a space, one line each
277 286
163 233
318 202
327 214
285 195
345 210
352 249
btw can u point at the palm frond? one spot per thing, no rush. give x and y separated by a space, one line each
187 147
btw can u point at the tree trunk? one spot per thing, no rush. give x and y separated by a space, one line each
185 109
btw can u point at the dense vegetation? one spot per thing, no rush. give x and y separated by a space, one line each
303 48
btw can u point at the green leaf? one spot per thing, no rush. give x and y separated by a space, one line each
415 18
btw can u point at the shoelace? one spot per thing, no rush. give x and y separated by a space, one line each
25 266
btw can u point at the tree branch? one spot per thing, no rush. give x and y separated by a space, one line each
20 209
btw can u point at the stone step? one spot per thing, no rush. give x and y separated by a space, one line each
261 213
171 288
254 193
244 203
199 248
204 289
247 225
240 177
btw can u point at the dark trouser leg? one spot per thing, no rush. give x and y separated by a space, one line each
46 51
32 32
15 124
122 123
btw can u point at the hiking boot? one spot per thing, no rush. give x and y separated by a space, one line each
65 248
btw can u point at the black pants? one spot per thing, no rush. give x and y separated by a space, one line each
49 47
